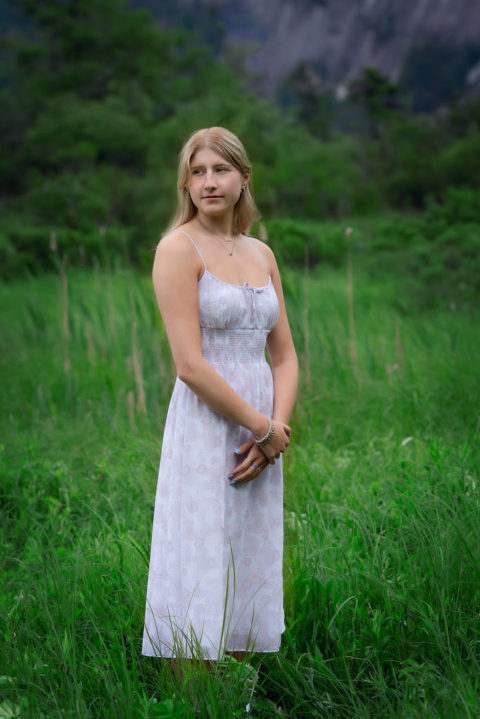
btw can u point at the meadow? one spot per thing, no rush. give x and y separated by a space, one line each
382 505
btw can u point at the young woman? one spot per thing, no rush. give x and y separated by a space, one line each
215 579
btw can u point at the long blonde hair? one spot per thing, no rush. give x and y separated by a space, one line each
228 146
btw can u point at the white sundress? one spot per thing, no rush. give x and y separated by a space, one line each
215 577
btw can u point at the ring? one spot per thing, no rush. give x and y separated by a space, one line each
256 466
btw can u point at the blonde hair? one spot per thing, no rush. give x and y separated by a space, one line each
228 146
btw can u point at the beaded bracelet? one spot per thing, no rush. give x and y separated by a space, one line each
263 441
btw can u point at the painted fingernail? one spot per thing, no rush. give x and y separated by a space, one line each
237 451
233 484
230 476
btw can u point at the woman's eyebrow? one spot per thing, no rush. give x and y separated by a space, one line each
217 164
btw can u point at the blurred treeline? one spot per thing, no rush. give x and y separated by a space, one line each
98 98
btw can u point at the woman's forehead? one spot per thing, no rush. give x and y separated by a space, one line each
207 156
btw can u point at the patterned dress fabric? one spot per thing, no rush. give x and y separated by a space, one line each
215 576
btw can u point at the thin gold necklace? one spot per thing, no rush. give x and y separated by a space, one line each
217 234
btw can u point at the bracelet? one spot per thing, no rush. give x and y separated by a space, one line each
263 441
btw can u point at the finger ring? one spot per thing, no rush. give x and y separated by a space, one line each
256 466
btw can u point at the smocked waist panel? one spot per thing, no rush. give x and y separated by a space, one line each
237 345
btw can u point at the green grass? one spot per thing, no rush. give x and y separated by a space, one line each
382 511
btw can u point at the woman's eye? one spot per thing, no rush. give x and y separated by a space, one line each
196 172
222 169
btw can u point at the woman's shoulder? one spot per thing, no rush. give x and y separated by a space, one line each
178 240
177 246
176 236
266 251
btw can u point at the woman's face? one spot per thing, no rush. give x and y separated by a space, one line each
215 185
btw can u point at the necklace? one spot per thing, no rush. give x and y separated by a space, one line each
230 240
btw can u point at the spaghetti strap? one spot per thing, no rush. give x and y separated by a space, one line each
196 247
252 242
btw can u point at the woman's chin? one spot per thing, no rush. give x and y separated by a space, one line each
215 211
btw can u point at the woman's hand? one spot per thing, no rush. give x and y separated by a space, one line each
278 443
257 458
253 464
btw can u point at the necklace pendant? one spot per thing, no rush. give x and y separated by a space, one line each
230 253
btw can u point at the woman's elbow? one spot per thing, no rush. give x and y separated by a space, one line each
286 364
288 358
184 372
187 369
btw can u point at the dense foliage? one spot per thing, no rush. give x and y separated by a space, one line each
437 252
97 99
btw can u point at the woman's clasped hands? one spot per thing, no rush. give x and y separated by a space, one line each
257 457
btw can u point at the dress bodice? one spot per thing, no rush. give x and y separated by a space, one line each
224 306
235 319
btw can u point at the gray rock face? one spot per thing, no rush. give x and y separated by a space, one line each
341 37
337 38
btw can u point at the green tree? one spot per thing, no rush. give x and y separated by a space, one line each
434 73
379 98
302 91
85 87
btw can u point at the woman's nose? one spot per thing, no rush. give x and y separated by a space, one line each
210 179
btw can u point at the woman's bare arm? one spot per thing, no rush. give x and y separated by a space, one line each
285 374
176 270
282 353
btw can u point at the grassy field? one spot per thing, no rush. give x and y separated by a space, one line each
382 507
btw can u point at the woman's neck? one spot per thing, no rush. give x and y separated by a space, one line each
218 225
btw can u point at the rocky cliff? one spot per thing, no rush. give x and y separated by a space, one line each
341 37
338 38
